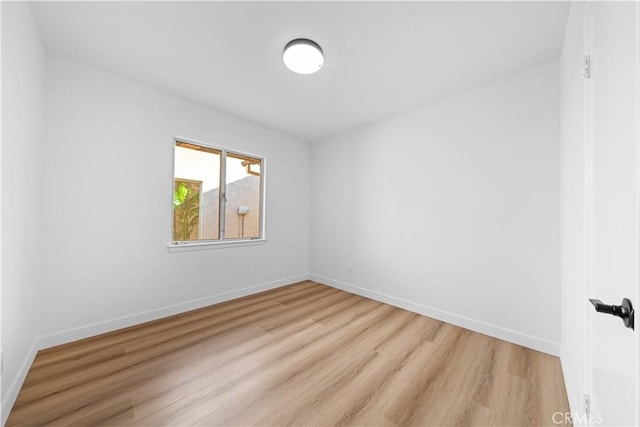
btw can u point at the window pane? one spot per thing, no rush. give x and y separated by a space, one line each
196 193
242 210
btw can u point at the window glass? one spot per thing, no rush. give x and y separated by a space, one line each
242 209
196 196
217 195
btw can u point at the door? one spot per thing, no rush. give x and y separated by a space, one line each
612 129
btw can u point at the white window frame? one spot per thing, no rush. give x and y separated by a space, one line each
220 242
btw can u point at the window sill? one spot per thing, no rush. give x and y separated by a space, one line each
199 246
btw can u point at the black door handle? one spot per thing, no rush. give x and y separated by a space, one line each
623 311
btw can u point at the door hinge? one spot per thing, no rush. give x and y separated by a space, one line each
586 405
586 67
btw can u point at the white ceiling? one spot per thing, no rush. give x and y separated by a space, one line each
380 57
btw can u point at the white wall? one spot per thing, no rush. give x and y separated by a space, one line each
451 209
573 239
108 194
22 137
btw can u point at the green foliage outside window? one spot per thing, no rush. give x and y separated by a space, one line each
186 211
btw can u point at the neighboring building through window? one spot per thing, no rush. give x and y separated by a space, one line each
217 194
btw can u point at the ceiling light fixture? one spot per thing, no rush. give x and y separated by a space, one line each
303 56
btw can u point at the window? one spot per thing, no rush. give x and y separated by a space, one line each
217 194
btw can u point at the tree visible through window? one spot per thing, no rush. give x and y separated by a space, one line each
186 209
217 194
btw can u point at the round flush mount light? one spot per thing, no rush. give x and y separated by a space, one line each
303 56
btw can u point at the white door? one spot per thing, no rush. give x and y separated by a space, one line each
614 216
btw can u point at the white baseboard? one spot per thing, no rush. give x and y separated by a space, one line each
98 328
509 335
12 393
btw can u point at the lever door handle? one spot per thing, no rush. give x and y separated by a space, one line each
623 311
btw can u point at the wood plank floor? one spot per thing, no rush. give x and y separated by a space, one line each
304 354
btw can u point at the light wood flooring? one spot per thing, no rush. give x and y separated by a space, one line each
304 354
